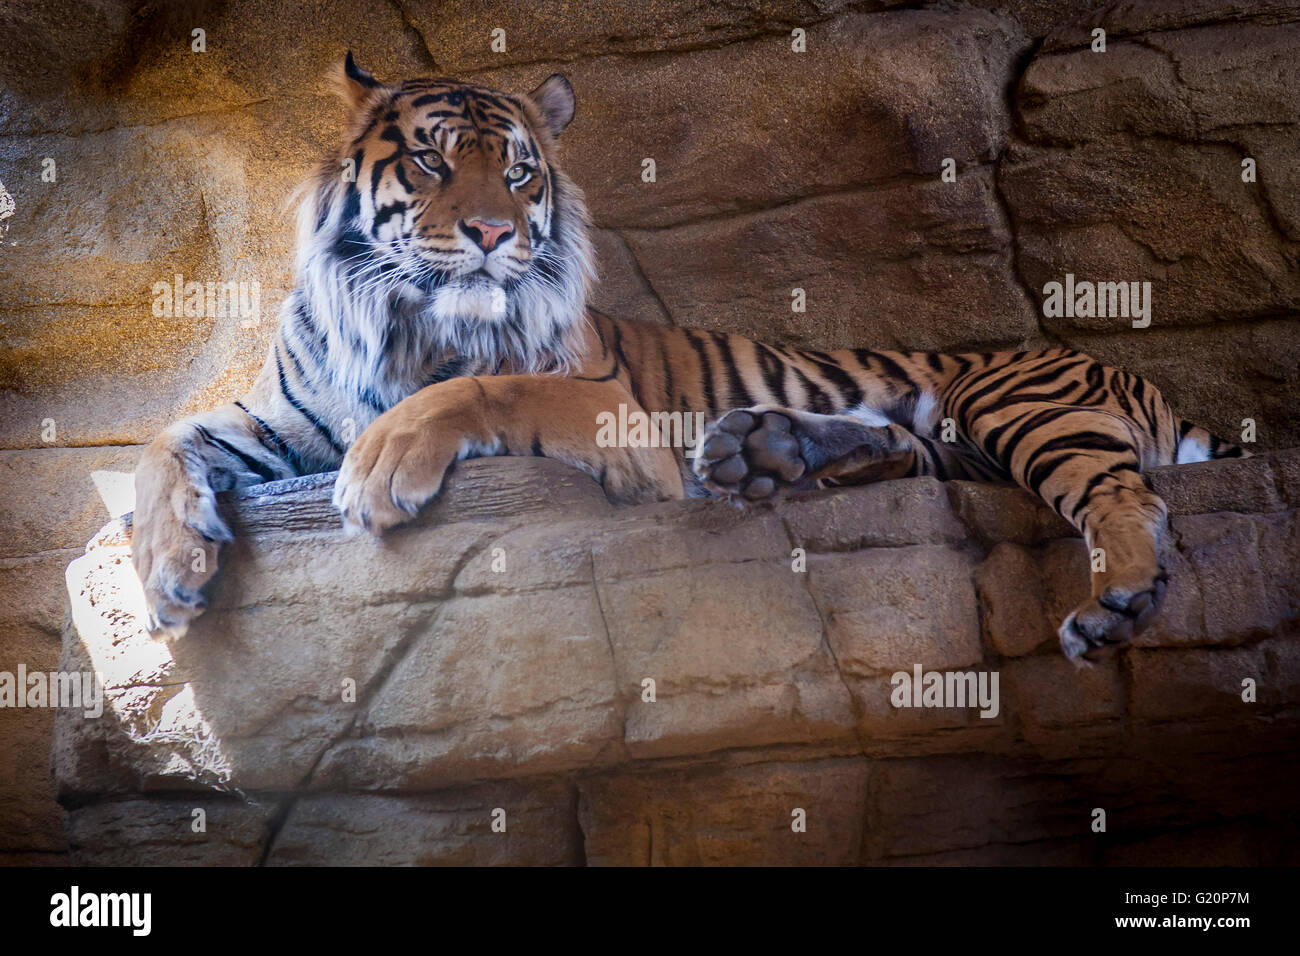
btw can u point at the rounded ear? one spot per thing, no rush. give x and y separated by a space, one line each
353 84
555 102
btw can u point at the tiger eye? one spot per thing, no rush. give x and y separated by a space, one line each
430 160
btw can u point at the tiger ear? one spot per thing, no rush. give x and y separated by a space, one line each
555 102
353 84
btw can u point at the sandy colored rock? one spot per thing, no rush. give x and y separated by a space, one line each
489 687
885 515
524 688
878 268
736 655
982 800
678 535
1052 693
460 37
621 287
1169 685
1241 584
163 832
445 829
883 613
1005 513
737 815
1201 488
1103 212
1013 602
59 497
880 96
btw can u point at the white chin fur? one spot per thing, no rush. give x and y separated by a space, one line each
472 298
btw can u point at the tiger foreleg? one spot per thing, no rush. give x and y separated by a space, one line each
399 462
176 530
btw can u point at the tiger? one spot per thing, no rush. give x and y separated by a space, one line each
441 313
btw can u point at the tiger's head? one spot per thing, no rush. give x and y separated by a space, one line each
445 223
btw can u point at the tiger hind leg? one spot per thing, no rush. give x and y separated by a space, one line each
1089 473
1124 526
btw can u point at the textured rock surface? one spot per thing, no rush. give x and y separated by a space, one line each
500 650
775 170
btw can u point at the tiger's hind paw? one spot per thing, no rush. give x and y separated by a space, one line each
1103 623
750 453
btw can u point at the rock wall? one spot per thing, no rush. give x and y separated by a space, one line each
131 158
500 650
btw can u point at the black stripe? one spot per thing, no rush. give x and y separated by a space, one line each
740 397
1119 386
1088 489
308 336
940 470
1080 441
395 208
1023 427
1140 395
603 378
302 409
706 368
281 448
773 371
1152 413
297 366
1033 398
452 368
818 400
891 369
850 391
604 351
1043 378
668 372
1039 474
251 463
1095 378
993 381
618 348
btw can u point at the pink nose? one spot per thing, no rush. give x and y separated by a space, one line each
486 235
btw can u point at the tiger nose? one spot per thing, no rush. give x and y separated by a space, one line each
486 234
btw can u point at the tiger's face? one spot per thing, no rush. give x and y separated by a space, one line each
455 192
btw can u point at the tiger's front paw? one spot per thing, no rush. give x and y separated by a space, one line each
389 474
176 534
1113 618
750 453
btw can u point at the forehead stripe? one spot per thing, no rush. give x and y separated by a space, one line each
430 98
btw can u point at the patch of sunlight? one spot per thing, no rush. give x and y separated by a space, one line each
116 489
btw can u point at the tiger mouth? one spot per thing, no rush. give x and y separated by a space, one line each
431 280
480 278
